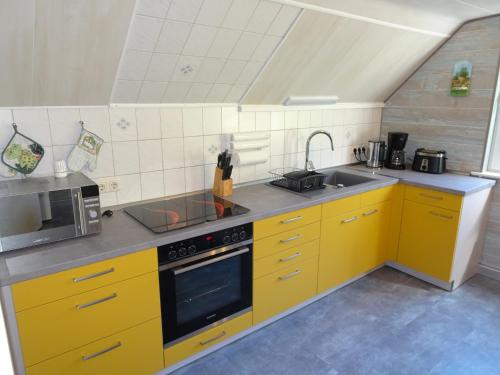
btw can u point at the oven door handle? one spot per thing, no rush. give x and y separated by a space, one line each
210 261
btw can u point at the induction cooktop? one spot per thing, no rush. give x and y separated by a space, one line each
177 213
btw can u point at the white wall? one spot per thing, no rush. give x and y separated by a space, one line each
171 150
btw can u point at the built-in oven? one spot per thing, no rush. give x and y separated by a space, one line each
205 281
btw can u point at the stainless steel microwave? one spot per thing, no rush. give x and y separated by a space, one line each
35 211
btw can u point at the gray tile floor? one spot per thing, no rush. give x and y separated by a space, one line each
385 323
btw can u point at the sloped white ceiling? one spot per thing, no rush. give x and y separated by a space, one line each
198 51
86 52
358 50
60 52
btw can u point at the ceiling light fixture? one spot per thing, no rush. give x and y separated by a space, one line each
310 100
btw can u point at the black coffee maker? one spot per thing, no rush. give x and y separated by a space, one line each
396 143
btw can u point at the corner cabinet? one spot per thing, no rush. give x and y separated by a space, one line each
442 234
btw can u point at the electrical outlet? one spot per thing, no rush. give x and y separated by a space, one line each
113 185
103 187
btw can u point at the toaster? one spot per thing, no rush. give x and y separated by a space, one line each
429 161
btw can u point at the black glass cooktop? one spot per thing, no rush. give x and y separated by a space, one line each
171 214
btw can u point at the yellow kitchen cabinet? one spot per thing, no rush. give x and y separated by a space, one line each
286 222
353 242
284 289
285 258
374 232
427 239
77 280
135 351
206 339
51 329
340 250
286 240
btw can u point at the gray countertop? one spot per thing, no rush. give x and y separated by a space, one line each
123 235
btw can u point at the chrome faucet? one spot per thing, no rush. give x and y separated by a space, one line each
309 166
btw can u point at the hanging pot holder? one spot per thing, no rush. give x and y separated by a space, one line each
22 153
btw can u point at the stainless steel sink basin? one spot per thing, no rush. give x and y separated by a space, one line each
343 179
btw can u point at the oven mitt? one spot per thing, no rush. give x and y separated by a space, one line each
85 152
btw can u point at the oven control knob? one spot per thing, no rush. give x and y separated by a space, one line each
172 254
192 249
243 235
182 252
226 239
235 237
92 214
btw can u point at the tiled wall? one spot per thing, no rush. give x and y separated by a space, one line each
168 151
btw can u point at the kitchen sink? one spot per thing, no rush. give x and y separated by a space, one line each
343 179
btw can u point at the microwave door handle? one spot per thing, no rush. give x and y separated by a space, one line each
79 210
210 261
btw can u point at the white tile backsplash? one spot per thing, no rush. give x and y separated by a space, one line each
212 120
123 124
126 157
152 185
192 120
150 155
184 10
173 150
35 124
173 153
148 123
193 151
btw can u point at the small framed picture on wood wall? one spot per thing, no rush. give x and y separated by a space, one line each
460 82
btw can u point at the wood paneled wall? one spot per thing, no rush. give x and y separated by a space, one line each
424 108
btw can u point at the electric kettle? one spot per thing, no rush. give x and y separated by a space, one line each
376 153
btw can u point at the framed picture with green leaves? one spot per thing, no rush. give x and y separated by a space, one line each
460 83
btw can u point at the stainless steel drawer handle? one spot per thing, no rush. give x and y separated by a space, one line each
289 276
369 213
291 220
350 220
94 275
442 216
291 239
291 257
97 301
220 335
101 352
435 197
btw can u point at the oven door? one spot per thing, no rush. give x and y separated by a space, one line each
201 293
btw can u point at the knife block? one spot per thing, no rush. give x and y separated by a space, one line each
222 188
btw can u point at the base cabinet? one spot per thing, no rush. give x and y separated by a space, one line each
136 351
427 239
206 339
352 243
284 289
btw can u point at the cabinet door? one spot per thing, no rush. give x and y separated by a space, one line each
427 239
374 234
339 250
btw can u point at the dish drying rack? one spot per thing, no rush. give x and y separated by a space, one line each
297 179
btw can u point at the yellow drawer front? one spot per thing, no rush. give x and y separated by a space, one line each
427 239
285 222
434 198
282 290
285 258
136 351
45 289
377 196
338 207
286 240
206 339
54 328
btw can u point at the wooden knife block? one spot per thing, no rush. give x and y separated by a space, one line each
222 188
